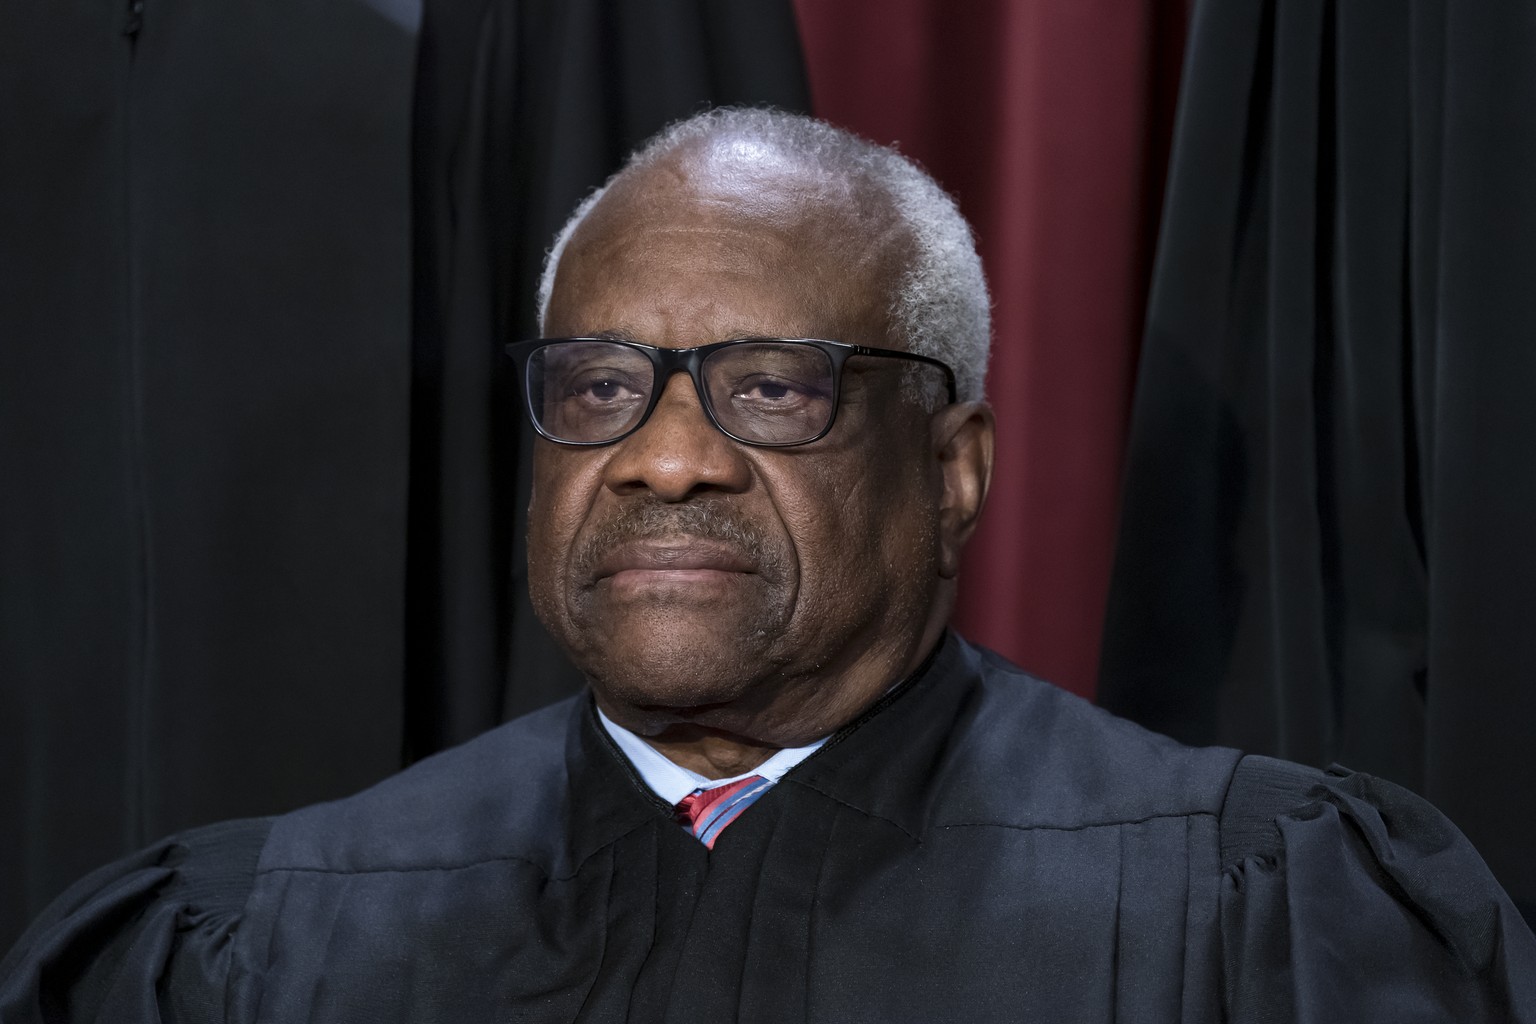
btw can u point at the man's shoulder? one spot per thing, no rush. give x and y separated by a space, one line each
1031 754
490 798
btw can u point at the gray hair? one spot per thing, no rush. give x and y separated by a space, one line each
940 307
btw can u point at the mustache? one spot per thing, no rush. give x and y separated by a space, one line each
650 519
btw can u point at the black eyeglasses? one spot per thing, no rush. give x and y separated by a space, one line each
772 392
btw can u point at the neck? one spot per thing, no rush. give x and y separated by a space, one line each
712 755
718 745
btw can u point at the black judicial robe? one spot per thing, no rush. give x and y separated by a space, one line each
979 846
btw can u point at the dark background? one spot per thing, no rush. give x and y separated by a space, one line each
1262 371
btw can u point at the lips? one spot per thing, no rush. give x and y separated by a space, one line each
695 544
671 554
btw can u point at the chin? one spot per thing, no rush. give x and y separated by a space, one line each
681 681
672 652
650 687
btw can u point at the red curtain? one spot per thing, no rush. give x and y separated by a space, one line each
1049 121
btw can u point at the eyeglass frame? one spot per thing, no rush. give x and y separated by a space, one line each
667 361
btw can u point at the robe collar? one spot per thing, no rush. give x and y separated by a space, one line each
879 764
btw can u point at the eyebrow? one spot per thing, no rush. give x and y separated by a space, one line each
616 334
622 333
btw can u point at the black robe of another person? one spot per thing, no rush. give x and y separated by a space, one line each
1326 534
979 846
205 369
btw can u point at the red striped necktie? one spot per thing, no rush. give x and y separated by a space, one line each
706 812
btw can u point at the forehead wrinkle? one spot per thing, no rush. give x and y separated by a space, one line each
844 250
824 311
618 255
697 322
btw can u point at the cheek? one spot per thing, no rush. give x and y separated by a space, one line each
564 489
861 530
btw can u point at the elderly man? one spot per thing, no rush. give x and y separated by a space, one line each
791 794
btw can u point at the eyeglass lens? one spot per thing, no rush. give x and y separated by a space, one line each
763 392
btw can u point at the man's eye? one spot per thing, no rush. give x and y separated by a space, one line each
774 391
603 389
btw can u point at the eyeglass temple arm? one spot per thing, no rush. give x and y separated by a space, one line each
949 374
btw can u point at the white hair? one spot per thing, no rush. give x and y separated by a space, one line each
940 307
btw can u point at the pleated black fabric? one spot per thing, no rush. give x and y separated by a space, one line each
204 373
250 428
980 846
1325 543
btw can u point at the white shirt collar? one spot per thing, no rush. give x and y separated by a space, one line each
672 781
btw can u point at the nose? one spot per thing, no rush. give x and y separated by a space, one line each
678 452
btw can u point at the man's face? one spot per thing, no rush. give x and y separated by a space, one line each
697 579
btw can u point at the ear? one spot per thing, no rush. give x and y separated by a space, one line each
962 438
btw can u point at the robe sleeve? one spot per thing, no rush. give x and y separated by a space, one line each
1347 898
142 940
